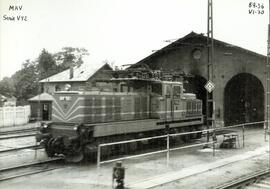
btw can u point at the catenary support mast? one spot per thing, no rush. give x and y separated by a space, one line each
210 52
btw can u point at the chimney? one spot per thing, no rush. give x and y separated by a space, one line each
71 72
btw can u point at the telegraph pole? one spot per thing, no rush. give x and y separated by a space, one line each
209 85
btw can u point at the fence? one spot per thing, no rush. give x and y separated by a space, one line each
168 136
16 115
167 150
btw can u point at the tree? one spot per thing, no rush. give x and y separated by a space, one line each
24 84
7 87
69 56
46 64
26 81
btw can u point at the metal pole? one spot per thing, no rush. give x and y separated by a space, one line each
214 148
210 52
36 150
243 129
39 107
265 131
268 80
168 149
98 158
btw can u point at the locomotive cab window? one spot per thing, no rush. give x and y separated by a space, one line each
168 90
176 91
125 88
157 89
57 88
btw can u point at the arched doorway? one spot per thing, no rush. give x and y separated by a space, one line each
196 85
243 100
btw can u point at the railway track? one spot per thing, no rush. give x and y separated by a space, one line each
259 179
35 147
17 136
30 168
17 131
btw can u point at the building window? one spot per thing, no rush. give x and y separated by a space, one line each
57 88
197 54
124 88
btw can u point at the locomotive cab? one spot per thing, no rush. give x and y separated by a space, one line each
167 105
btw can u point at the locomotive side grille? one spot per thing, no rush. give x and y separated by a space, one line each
128 107
109 109
100 108
144 107
117 108
194 108
137 107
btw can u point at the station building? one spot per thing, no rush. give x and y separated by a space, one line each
77 78
239 76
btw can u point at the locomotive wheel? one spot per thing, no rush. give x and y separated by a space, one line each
192 129
49 152
48 149
75 158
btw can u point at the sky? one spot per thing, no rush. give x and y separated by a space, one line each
121 31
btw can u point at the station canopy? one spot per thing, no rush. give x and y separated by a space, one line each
41 97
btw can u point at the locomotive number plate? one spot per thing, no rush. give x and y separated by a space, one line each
65 98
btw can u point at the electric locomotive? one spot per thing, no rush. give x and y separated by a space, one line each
132 104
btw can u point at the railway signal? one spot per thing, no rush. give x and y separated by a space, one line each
210 86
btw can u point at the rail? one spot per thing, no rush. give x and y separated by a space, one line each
27 165
21 148
244 181
17 136
18 131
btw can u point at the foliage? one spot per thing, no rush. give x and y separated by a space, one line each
24 83
7 87
46 64
69 56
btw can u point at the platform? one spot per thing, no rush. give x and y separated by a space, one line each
197 169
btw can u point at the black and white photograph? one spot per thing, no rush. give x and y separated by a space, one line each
134 94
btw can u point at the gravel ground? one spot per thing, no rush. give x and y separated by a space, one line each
221 175
88 176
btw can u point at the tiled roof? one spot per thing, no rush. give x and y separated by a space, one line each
181 42
41 97
80 73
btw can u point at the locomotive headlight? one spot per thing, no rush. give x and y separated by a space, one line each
43 127
75 128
